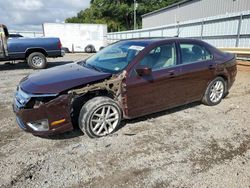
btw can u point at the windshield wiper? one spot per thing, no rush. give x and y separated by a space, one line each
82 62
93 67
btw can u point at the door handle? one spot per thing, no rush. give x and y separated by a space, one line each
211 67
171 73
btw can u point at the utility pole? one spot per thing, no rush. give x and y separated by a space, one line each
135 8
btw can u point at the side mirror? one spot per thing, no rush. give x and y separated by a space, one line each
144 71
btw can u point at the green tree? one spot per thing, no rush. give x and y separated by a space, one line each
117 14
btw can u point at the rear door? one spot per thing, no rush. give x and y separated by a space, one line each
197 70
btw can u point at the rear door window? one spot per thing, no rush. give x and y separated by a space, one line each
192 53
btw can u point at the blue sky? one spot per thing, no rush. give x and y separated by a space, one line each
29 15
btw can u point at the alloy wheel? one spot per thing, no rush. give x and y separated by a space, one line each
37 61
104 120
217 91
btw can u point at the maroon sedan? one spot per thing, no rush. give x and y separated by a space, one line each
125 80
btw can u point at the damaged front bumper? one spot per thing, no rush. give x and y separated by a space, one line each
52 117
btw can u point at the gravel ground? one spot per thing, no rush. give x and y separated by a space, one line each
190 146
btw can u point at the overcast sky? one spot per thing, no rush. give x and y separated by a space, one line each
29 15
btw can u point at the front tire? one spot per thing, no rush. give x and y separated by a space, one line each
215 92
37 60
99 117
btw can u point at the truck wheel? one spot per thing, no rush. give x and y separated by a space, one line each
99 117
215 92
89 49
37 60
66 50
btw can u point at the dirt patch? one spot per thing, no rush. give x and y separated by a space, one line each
27 174
189 146
126 178
244 66
215 154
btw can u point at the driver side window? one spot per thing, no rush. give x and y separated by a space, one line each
160 57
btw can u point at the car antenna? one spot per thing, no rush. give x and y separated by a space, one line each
179 30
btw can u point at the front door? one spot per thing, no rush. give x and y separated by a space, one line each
161 89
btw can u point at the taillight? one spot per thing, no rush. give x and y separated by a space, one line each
59 44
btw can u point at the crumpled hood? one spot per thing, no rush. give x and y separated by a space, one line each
61 78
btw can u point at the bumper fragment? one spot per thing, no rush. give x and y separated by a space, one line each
52 111
62 53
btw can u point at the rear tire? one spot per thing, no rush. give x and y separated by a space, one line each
90 49
37 60
99 117
66 50
215 92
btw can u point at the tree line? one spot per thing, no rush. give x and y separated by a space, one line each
117 14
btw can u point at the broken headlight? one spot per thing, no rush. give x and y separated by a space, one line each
41 125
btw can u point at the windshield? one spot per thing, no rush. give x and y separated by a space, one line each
116 57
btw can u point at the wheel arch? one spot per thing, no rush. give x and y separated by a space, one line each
216 76
98 93
224 78
32 50
80 100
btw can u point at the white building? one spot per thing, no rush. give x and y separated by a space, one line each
191 10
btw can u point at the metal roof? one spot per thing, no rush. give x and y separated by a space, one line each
166 8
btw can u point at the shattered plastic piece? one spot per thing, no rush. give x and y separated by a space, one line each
113 85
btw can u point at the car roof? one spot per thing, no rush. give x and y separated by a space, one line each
161 39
